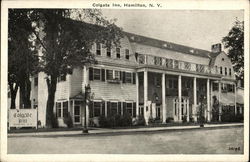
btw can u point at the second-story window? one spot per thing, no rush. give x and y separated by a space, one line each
225 71
118 54
97 74
108 52
62 78
117 75
127 54
221 70
98 48
128 77
230 71
109 74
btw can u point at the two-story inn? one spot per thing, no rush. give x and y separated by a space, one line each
144 76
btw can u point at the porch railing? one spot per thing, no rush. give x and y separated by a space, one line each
175 64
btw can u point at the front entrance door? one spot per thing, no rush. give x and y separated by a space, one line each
77 114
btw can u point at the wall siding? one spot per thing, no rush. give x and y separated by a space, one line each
76 82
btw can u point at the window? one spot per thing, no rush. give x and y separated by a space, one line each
129 107
62 78
117 75
98 48
97 109
97 74
65 109
157 81
221 70
108 52
128 77
224 88
225 71
215 86
118 55
127 54
109 74
36 81
230 87
230 71
172 84
114 107
58 110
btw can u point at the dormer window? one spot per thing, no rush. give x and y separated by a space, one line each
225 71
221 70
127 54
108 52
230 71
98 49
118 55
222 59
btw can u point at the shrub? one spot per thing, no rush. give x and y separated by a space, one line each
126 120
141 120
115 121
68 121
169 120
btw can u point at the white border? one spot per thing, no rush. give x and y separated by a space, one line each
171 4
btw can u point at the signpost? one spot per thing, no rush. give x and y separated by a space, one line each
22 118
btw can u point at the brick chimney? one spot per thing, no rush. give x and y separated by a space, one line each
216 48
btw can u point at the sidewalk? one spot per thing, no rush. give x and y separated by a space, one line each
105 131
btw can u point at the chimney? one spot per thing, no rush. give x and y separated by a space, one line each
216 48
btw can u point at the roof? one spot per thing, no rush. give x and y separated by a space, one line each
167 45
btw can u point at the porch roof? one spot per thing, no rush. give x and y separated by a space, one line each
78 96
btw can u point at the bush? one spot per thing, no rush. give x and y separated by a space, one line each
115 121
231 117
68 121
140 121
169 120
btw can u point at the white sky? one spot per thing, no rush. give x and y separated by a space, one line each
195 28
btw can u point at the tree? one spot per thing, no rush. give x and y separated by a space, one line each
65 43
21 56
234 42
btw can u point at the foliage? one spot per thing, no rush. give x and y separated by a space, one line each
140 121
115 121
22 60
68 120
64 43
169 120
234 42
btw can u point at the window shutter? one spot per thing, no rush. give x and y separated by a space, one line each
119 108
134 109
91 109
108 108
134 78
103 108
103 74
123 77
90 73
124 108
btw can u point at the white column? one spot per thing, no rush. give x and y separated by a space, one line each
164 109
195 101
219 98
106 109
187 110
145 92
211 99
137 93
208 101
179 96
235 99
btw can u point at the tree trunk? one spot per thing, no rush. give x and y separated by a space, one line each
51 83
25 87
13 92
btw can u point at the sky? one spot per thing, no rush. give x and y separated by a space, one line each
194 28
